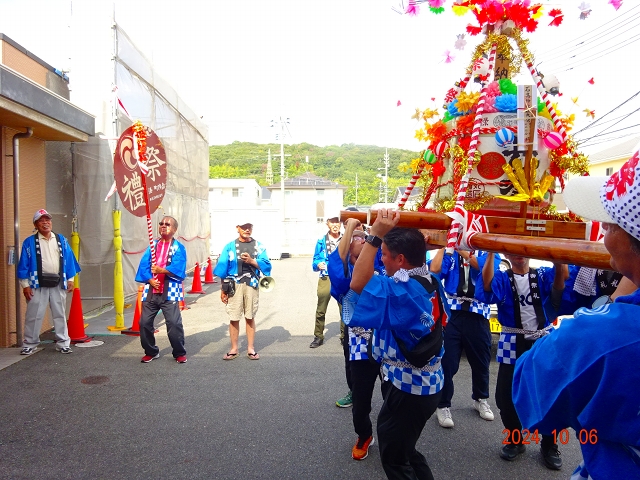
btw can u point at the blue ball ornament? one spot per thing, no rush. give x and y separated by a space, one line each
504 137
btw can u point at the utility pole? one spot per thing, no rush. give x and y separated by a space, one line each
384 179
356 189
269 170
282 155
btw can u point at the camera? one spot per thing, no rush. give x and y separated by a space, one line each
228 286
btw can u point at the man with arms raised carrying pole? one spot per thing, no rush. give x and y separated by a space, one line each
407 312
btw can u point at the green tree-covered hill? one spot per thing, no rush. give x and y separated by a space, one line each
336 163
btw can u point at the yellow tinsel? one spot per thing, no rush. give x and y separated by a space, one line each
551 213
420 134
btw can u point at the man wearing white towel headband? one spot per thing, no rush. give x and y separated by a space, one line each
586 374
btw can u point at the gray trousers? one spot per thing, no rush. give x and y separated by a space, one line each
56 298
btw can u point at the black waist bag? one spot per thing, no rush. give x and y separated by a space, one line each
49 280
431 344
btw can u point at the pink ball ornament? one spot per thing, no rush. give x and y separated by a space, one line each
553 140
440 148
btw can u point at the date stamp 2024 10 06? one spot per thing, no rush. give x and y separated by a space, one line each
527 437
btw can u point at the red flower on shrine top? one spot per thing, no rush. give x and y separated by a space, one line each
618 182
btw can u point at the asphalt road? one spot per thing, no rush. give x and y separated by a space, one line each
101 414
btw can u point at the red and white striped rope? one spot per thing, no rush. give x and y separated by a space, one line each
150 232
452 235
547 102
409 188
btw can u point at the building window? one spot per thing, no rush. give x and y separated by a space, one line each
236 192
609 171
320 193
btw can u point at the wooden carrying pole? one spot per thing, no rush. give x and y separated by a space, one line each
500 239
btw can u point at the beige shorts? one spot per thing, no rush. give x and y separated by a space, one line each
244 304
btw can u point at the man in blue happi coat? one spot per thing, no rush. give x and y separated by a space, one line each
240 264
163 291
585 374
45 271
468 329
406 311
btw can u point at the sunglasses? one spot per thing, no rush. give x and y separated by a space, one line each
165 224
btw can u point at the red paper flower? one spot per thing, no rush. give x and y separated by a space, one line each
473 30
437 131
437 169
464 142
618 182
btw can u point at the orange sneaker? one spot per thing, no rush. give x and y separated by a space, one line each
360 450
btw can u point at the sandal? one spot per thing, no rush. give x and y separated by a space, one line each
230 356
253 356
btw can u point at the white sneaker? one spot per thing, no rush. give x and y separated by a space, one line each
483 409
444 417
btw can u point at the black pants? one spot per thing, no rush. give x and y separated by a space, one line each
363 379
173 319
508 413
400 423
347 362
470 332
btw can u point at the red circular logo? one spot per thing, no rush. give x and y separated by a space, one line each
129 175
490 165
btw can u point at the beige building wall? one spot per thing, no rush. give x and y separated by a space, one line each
18 61
32 198
606 168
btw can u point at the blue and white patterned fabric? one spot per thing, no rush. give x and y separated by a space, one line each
227 266
358 337
450 275
28 266
398 304
502 295
585 375
177 271
581 473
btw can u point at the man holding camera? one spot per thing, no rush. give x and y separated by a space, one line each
240 265
46 270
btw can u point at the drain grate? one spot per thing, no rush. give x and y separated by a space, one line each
95 380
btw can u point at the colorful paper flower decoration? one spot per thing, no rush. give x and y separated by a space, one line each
507 103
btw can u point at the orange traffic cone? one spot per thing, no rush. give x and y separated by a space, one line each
196 286
75 322
208 273
181 304
135 326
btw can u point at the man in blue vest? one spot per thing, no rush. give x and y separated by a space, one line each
46 269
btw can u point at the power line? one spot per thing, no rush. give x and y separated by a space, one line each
571 45
619 130
610 111
602 53
607 140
